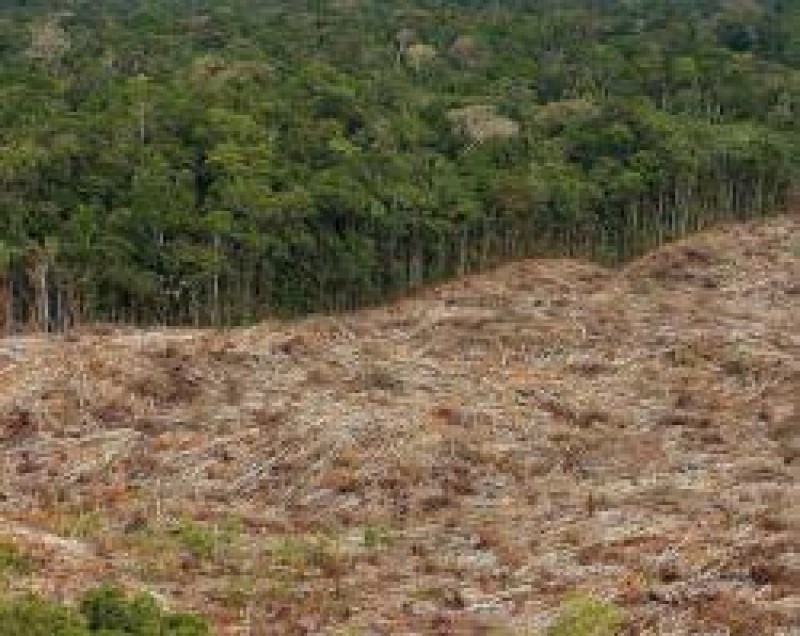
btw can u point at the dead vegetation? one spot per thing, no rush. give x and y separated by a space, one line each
461 462
482 122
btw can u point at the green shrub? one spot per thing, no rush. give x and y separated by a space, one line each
105 611
587 616
108 611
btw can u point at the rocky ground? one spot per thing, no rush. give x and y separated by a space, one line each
456 463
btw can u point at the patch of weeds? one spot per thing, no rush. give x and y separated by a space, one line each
205 541
33 616
159 555
303 554
376 537
164 549
297 552
231 528
12 560
196 539
80 525
158 567
587 616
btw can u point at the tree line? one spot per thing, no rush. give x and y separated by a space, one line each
205 162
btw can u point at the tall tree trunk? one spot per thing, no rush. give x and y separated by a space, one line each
7 297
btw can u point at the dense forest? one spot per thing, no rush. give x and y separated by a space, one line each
217 161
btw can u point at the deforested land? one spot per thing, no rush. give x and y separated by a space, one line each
466 461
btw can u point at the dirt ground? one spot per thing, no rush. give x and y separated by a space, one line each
455 463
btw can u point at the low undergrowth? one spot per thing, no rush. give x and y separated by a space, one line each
105 610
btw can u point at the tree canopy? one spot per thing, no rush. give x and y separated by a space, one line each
213 162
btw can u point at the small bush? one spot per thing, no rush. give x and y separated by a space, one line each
108 611
107 608
587 616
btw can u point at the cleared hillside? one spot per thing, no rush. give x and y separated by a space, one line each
453 463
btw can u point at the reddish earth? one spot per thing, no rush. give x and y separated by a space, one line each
453 463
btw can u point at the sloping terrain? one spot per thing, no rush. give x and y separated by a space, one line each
454 463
